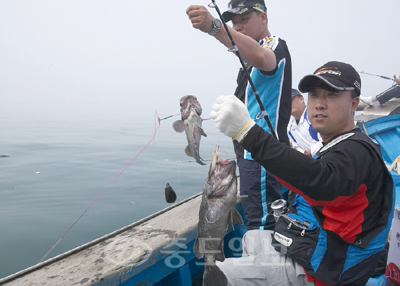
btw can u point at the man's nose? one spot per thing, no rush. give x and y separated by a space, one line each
320 102
237 27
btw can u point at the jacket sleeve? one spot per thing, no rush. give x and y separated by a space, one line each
325 181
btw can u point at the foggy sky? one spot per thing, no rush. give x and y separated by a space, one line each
121 60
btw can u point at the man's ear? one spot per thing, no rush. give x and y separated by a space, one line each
264 17
354 103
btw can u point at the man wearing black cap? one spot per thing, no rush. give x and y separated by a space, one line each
269 64
338 223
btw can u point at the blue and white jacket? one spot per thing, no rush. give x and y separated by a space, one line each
274 88
303 135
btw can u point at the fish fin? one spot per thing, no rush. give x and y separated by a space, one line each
215 212
236 217
230 221
201 131
188 152
200 162
179 126
196 248
220 256
213 276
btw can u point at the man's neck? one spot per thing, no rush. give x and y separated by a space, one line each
265 34
299 115
348 128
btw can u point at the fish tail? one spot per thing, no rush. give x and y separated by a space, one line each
200 162
213 276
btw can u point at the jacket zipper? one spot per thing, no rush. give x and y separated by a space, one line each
303 226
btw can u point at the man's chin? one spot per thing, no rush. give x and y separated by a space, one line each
317 127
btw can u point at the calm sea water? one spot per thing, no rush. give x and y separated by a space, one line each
57 169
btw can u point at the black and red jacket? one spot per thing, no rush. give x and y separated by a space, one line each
350 192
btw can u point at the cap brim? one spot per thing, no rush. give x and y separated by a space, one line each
311 81
227 15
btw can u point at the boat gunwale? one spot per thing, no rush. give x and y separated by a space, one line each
63 255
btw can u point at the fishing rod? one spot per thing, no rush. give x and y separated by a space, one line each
236 50
381 76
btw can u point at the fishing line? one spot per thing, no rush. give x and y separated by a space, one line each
193 161
170 194
381 76
62 236
235 49
159 119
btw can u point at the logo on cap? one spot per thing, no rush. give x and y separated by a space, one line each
329 70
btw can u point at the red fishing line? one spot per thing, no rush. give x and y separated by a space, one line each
154 135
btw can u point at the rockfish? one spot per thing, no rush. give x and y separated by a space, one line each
217 212
191 124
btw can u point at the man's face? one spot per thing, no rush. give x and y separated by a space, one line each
251 24
331 113
297 106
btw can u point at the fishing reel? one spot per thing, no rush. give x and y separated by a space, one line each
279 208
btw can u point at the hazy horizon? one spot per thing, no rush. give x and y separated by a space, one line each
121 60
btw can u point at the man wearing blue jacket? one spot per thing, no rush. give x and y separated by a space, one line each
269 64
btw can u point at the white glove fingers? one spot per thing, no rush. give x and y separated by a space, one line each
230 116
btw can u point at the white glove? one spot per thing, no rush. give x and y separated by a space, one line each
231 117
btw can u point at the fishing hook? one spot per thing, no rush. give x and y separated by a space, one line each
234 48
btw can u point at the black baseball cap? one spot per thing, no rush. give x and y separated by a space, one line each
243 8
295 92
337 75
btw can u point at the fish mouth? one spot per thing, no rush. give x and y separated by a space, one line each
224 177
218 165
226 166
188 103
222 173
